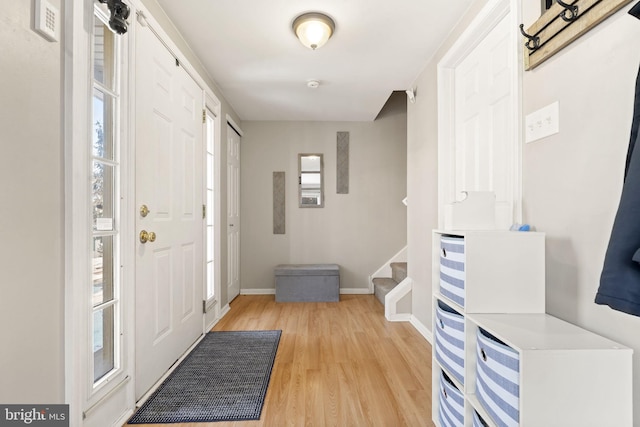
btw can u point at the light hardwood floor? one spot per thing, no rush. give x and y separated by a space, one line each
338 364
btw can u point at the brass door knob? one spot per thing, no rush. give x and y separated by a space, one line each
152 236
146 236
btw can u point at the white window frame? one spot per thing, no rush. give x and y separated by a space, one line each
81 393
212 110
116 301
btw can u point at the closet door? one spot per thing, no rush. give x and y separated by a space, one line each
233 213
479 116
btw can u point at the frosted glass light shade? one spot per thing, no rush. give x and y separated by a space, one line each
313 29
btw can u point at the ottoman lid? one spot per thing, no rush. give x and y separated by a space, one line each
307 270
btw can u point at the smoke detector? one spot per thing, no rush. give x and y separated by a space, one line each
313 84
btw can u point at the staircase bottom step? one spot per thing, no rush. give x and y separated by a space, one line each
382 286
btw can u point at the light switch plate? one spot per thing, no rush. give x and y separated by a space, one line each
543 122
47 20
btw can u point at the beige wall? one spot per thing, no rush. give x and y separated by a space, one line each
571 181
360 230
31 212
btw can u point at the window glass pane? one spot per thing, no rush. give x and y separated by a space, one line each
103 54
102 196
103 113
102 270
210 207
210 171
210 279
103 342
210 136
210 243
310 180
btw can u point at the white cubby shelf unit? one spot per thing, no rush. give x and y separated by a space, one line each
568 376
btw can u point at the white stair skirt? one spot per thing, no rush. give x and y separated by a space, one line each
394 310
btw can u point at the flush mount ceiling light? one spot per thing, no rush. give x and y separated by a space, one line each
313 29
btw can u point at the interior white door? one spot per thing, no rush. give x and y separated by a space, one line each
233 213
483 149
169 270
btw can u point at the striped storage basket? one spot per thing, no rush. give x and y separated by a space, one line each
498 379
449 340
478 421
452 275
451 411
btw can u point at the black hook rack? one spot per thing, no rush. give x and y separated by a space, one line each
533 42
555 29
570 12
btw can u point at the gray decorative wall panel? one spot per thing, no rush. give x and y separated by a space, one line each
278 203
342 163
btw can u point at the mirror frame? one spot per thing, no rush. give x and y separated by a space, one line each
300 204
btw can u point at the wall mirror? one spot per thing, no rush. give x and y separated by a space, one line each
310 181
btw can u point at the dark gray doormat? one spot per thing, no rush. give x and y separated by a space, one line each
225 378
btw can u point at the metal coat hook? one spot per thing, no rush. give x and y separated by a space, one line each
570 12
533 42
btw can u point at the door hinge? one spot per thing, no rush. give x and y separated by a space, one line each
204 211
204 116
204 306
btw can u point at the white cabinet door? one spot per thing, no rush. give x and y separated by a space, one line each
233 213
169 270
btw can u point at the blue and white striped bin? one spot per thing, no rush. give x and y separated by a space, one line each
478 421
498 379
449 340
451 411
452 268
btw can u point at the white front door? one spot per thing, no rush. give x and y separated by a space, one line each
233 213
479 138
169 269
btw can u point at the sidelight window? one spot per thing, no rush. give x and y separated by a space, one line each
105 280
210 209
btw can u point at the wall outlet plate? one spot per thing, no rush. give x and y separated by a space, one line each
47 20
543 122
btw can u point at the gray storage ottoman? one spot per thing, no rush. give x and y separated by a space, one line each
307 283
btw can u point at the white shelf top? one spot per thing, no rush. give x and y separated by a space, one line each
497 231
541 332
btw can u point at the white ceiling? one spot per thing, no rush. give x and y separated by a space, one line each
250 50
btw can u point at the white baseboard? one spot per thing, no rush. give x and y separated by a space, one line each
123 419
420 327
269 291
402 317
272 291
223 311
355 291
212 323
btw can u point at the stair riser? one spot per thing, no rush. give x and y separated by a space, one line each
399 271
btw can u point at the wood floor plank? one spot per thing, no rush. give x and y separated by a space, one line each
338 364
